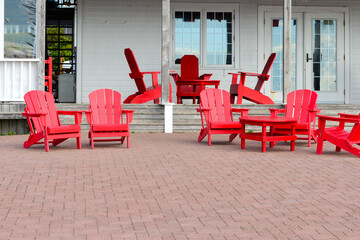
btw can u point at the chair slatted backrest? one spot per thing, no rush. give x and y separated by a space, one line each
189 67
105 105
135 71
219 102
41 102
299 103
266 71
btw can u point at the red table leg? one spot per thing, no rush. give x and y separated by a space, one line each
263 143
271 134
292 146
242 139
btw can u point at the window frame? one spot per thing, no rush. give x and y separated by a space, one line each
2 33
204 9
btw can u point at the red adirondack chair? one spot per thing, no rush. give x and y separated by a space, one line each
301 105
190 84
217 114
144 94
106 117
44 123
253 95
342 139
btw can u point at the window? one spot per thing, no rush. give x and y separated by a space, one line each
20 29
207 34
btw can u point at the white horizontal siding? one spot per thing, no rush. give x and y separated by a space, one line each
110 26
16 79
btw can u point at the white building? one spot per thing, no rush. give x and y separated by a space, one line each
227 36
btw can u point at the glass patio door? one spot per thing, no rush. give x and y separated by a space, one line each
274 43
324 55
317 54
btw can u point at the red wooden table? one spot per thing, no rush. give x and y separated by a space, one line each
264 136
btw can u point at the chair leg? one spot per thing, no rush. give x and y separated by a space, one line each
46 143
232 136
78 142
209 138
338 149
309 140
202 134
92 141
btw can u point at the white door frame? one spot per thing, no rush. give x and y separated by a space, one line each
262 37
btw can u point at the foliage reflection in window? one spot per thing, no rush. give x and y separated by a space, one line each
19 29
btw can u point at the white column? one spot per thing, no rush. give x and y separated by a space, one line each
40 42
165 49
287 49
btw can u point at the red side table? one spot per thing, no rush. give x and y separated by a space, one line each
264 136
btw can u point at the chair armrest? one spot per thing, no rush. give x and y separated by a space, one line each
346 115
337 119
265 76
243 111
274 111
315 110
150 72
206 76
203 109
33 114
76 114
41 115
175 76
154 76
129 115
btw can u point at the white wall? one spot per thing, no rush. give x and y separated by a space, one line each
110 26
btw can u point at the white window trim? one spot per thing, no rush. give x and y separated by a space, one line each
2 41
203 8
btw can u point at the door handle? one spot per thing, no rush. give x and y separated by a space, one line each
307 58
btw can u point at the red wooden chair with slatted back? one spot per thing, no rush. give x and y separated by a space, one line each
217 114
44 123
190 84
301 105
108 121
254 95
342 139
144 94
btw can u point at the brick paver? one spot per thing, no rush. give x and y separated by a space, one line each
169 186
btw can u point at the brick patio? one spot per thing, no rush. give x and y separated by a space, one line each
169 186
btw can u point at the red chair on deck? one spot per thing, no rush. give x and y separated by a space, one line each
349 141
107 118
190 84
301 105
44 123
253 95
144 94
217 114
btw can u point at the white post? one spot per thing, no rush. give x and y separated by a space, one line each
287 50
2 16
40 42
165 49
